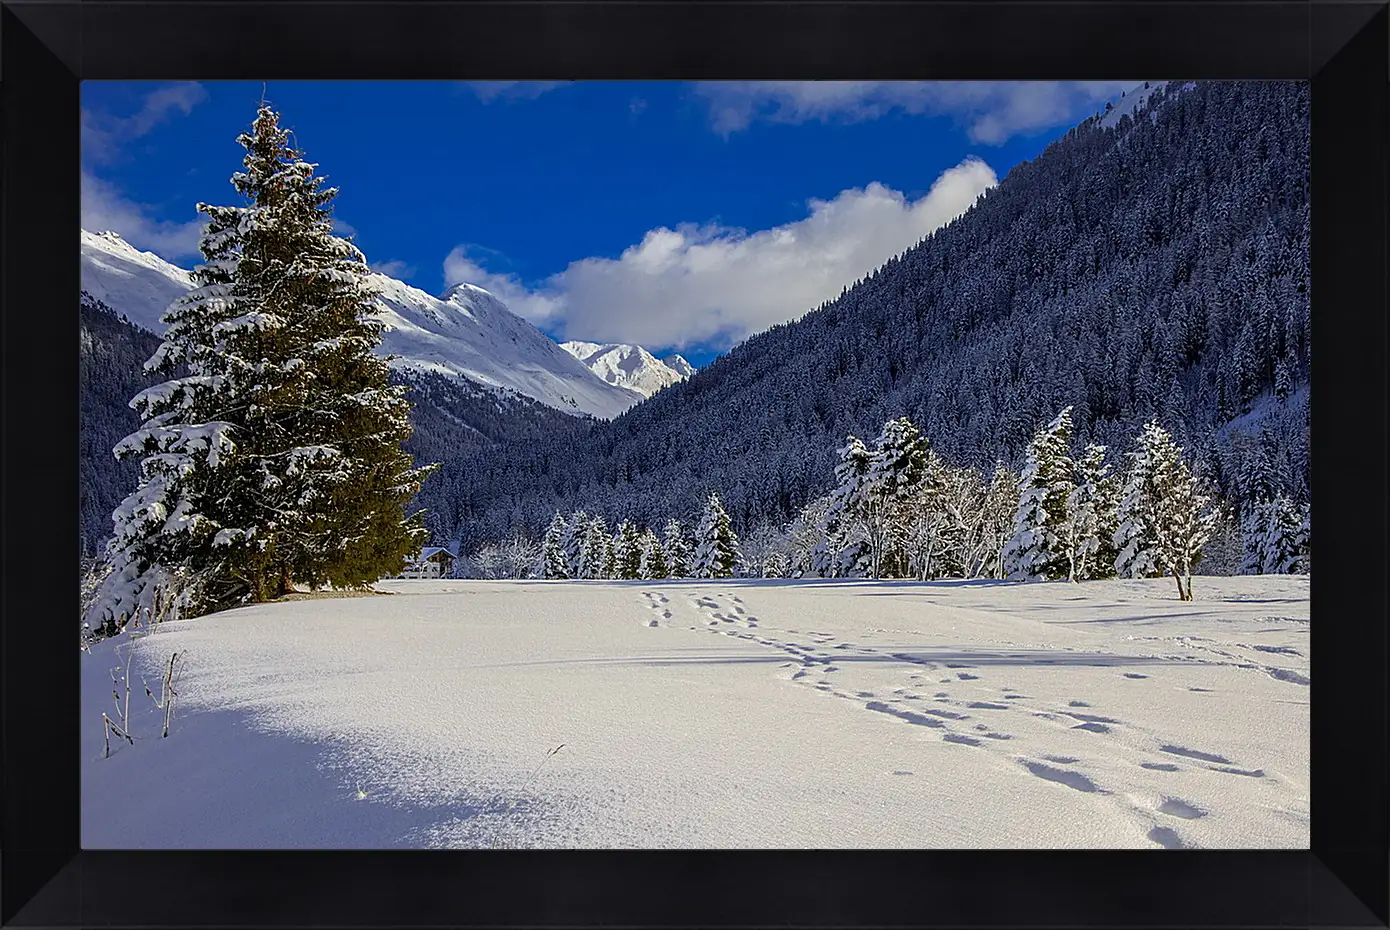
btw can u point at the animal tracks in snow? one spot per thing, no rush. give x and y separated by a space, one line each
1074 745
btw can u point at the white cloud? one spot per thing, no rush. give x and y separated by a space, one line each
710 285
991 111
394 268
537 306
489 91
103 133
105 207
342 228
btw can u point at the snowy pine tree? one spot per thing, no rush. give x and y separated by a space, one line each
717 548
843 549
1286 543
653 563
627 551
676 549
572 543
596 554
554 563
1036 551
277 457
1091 518
896 468
1164 518
1255 530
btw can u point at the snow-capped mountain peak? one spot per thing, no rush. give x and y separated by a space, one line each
466 331
629 366
679 365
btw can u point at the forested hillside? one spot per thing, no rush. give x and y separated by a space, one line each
1155 267
451 416
112 353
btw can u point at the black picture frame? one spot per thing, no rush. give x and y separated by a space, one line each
47 47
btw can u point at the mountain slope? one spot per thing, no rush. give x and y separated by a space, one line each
631 367
451 418
466 332
111 353
137 285
1164 277
469 332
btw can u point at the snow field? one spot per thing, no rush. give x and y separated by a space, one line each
724 714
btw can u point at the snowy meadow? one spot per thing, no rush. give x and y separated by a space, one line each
1007 546
718 714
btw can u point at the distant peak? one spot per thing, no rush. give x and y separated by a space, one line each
678 364
464 288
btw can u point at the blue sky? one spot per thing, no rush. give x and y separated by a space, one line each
679 216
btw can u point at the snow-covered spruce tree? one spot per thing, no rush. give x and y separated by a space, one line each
844 547
896 468
1286 545
717 548
1255 530
277 456
554 563
653 563
627 551
572 543
1088 532
596 554
1035 552
676 549
1164 518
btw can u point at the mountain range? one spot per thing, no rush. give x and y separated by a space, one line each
631 367
465 331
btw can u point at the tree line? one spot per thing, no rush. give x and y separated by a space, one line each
899 510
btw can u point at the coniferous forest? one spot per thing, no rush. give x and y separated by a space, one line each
1156 269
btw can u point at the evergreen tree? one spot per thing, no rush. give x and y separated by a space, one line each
1286 545
596 554
1091 518
1036 551
717 548
554 563
277 457
1255 531
653 563
627 551
572 543
844 543
1164 517
676 550
1284 382
896 469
